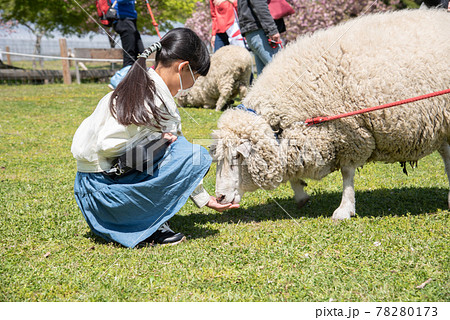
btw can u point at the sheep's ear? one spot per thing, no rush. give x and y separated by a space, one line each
214 150
244 149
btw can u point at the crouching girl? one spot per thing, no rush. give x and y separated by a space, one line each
135 207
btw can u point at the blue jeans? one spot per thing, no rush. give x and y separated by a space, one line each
221 41
259 44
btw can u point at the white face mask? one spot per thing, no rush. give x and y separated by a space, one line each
182 91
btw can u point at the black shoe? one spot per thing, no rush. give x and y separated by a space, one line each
165 235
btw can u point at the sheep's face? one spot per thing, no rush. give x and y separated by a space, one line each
232 177
183 99
245 150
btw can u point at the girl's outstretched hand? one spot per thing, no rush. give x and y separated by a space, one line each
169 136
213 204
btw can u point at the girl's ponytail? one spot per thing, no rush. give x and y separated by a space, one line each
135 92
153 48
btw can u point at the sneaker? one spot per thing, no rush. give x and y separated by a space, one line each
164 235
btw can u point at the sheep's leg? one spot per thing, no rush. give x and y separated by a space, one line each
445 154
225 92
347 207
300 196
242 90
221 102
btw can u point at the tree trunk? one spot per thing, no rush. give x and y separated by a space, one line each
37 49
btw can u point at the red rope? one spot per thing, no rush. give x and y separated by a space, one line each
154 23
317 120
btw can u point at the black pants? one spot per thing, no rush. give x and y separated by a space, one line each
131 40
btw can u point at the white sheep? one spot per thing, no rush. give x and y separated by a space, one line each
368 61
228 76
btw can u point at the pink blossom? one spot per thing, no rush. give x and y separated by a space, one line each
200 22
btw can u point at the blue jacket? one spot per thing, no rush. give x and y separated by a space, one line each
125 9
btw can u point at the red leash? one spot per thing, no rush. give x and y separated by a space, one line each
275 44
317 120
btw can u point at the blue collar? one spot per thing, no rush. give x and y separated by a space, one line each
242 107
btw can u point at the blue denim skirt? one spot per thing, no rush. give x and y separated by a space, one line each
129 209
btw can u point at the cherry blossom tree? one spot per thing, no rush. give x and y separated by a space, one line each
200 21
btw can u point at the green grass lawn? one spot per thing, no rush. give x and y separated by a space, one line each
265 251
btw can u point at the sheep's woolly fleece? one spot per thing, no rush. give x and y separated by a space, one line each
228 76
364 62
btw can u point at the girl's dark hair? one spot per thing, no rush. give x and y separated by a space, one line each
136 90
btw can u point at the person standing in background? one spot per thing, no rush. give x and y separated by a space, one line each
225 27
258 27
126 27
437 3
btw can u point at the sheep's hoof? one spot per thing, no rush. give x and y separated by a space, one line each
342 213
302 202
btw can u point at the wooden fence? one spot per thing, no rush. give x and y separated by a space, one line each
8 73
49 76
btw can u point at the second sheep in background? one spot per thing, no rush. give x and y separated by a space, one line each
228 76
